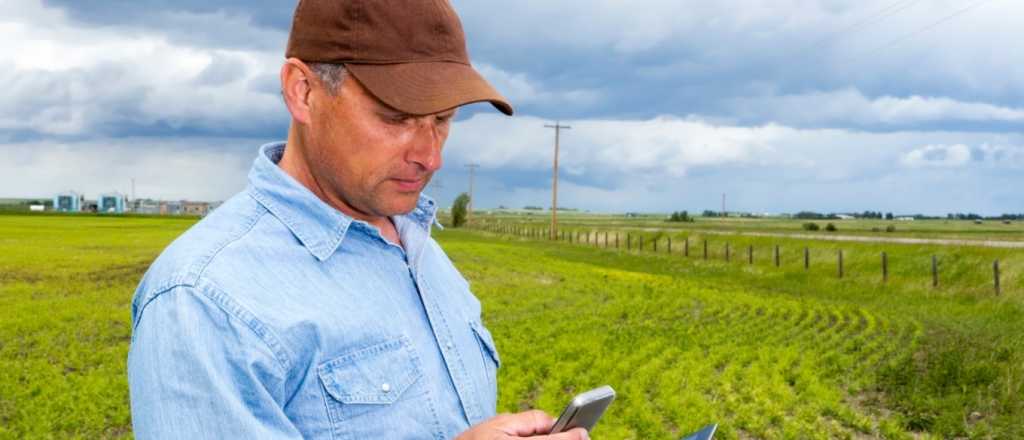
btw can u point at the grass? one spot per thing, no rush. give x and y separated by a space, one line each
767 352
65 290
890 360
943 229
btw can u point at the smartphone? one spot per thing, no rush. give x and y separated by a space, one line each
584 410
705 433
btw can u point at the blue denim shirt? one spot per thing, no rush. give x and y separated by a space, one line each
277 316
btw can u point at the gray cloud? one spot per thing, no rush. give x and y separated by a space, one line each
672 102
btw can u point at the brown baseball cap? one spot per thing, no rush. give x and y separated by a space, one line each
410 54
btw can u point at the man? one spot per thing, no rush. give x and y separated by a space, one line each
314 304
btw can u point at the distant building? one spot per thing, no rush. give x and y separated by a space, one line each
114 203
905 219
69 201
195 208
844 217
145 206
41 208
171 208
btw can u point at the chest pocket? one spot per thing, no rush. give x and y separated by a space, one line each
489 357
377 392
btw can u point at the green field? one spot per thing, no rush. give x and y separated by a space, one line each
949 229
767 352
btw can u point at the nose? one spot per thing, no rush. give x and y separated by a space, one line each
426 147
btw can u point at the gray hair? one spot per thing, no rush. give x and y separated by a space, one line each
332 75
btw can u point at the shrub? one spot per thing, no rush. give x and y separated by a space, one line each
459 210
680 217
811 226
831 227
890 228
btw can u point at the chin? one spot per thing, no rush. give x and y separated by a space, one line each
402 204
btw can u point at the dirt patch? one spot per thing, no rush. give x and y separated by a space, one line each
10 275
119 274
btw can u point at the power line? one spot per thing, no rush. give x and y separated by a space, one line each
927 28
878 16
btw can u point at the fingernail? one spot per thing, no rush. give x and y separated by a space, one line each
586 435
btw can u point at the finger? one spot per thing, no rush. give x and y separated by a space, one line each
527 423
572 434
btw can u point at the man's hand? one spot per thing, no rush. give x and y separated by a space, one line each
534 424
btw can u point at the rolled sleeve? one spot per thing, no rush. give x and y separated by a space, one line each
197 371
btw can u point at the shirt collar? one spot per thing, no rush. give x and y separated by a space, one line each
317 225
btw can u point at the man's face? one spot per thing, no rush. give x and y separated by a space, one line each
375 159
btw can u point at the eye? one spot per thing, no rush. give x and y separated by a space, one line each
398 119
445 118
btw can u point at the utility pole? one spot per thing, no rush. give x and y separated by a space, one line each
554 179
723 205
472 171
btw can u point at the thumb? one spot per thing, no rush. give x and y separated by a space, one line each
572 434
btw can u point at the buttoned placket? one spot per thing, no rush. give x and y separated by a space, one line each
442 333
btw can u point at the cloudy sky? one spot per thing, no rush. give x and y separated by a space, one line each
906 106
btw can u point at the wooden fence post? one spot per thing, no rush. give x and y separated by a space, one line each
705 249
686 247
750 254
640 240
655 245
629 242
935 271
840 263
616 240
995 272
670 245
727 252
777 259
807 258
885 267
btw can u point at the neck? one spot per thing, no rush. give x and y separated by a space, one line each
294 163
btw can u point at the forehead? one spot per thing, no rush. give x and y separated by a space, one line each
359 96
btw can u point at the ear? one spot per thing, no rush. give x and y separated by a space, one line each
296 85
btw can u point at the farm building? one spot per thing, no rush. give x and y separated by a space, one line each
69 201
171 208
195 208
145 206
112 203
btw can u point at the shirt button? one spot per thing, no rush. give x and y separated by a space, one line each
448 345
385 387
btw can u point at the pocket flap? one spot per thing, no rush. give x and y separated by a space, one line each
377 374
488 342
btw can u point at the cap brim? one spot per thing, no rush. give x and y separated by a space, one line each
424 88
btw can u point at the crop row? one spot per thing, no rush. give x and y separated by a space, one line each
680 354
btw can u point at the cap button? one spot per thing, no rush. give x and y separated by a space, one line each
385 387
